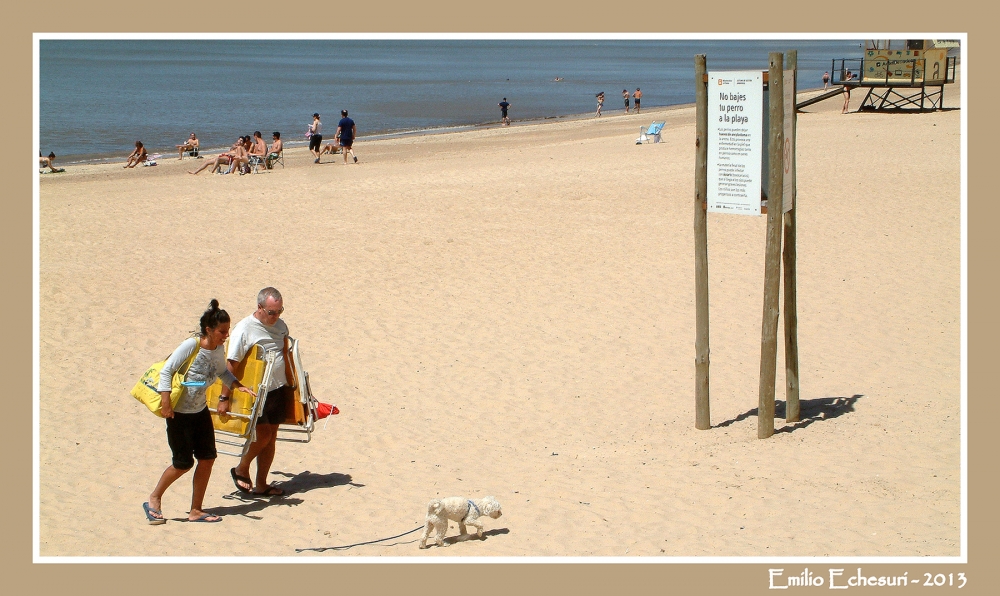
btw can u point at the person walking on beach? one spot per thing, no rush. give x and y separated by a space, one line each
190 433
625 97
191 144
264 328
137 155
504 106
637 96
315 136
600 103
826 80
346 132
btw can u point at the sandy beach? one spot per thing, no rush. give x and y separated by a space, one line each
510 312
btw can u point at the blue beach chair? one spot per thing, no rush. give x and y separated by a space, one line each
650 134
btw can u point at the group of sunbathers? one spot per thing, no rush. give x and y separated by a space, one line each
244 154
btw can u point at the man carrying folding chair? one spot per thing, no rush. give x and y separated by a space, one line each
263 327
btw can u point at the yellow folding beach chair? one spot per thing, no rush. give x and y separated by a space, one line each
238 430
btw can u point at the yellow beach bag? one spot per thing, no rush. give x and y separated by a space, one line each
145 390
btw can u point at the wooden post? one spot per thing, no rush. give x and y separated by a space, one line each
772 254
703 420
790 315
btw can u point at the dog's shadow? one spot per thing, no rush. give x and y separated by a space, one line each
466 537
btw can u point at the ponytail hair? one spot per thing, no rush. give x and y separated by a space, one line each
213 317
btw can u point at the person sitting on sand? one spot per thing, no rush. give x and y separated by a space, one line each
46 162
189 145
275 151
137 156
223 159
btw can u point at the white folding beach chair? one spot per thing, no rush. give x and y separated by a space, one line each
652 133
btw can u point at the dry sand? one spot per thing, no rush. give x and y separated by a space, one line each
510 311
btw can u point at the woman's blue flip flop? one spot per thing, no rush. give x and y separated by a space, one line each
153 520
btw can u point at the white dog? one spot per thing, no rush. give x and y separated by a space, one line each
459 509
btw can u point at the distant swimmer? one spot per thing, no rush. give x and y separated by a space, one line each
558 79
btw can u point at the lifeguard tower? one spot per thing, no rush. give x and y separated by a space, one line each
900 75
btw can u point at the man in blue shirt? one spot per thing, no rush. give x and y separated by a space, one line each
503 112
346 131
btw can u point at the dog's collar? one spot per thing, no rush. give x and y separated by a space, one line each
471 507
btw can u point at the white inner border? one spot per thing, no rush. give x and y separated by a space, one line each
825 561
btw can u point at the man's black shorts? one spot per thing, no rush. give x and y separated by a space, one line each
191 434
275 406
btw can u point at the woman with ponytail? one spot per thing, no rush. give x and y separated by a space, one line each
190 433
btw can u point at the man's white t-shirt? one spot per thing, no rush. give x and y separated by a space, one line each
251 331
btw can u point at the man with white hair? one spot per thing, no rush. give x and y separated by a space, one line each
264 328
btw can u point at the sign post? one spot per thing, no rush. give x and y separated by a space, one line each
772 252
790 313
702 417
730 151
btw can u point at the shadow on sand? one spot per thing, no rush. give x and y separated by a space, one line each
810 411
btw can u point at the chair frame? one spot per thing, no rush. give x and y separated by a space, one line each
645 135
296 433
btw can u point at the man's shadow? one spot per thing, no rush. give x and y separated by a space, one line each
810 411
248 504
307 481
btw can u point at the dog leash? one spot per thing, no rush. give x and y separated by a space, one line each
320 549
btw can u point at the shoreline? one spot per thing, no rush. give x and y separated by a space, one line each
296 144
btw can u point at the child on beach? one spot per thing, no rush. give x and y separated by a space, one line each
600 103
190 433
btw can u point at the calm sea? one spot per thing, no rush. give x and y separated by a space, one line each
97 97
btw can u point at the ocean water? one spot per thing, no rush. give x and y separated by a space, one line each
97 97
